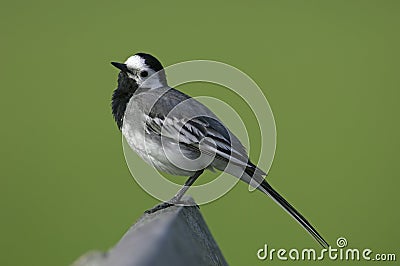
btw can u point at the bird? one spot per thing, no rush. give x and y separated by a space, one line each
178 135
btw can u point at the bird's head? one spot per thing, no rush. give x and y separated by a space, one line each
144 69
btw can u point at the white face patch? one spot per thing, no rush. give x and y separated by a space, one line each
135 62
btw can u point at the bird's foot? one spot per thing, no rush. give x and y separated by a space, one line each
165 205
159 207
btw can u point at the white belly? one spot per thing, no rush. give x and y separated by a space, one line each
136 140
150 151
149 147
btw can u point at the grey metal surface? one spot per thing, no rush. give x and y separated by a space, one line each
173 236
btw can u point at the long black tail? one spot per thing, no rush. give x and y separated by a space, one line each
267 189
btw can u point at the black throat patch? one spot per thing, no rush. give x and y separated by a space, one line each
121 96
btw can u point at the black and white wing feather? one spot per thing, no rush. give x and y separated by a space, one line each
203 134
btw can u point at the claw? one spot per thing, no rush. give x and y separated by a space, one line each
165 205
159 207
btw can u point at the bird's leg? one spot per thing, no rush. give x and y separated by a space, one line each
178 196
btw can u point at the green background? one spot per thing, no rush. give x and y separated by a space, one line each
330 70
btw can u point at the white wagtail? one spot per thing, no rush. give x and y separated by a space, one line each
178 135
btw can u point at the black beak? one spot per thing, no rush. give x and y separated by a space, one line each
121 66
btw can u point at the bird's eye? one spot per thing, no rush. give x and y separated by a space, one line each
144 73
